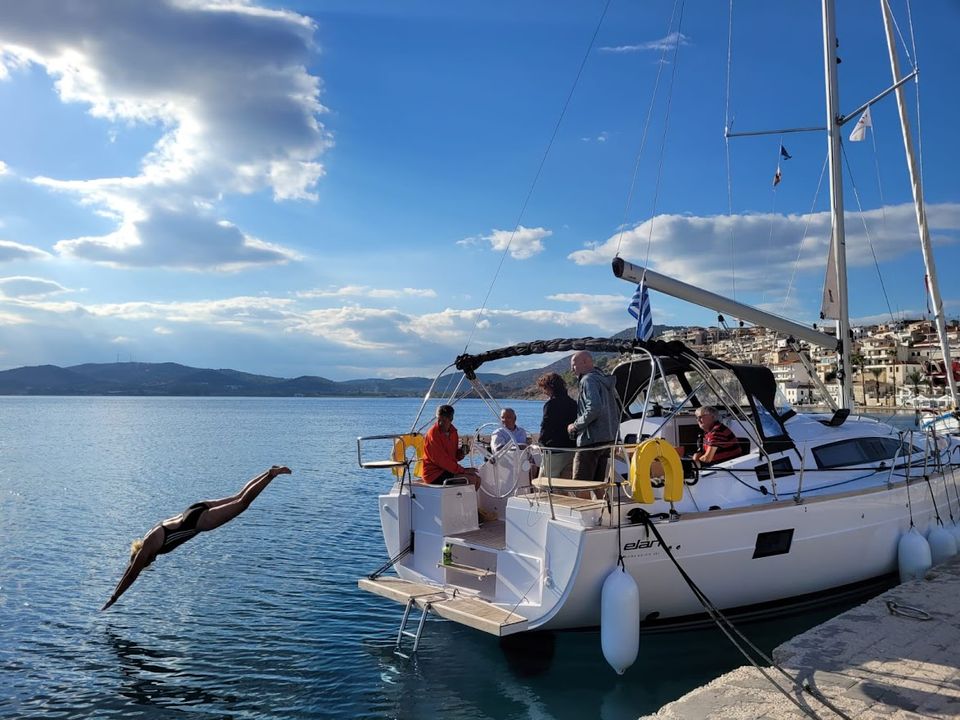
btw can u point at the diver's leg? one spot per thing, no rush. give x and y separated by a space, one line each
256 482
226 509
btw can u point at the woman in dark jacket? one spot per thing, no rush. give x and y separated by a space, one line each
559 411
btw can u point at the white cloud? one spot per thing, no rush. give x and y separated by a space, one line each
246 314
20 286
601 138
10 319
170 239
524 242
225 85
768 248
4 170
10 250
352 336
665 43
366 291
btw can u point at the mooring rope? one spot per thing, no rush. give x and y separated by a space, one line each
730 630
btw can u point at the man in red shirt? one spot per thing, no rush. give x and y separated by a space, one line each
719 442
442 452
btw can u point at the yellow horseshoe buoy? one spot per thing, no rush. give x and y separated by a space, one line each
400 447
656 449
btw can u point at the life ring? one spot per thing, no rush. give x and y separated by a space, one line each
656 449
400 446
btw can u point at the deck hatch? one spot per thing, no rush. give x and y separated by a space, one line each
777 542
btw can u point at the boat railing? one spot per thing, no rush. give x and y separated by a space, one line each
552 484
400 456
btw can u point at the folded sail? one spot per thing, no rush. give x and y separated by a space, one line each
830 307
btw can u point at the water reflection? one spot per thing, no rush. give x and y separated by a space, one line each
464 674
529 654
152 676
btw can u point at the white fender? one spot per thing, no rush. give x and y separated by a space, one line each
954 527
620 620
913 555
943 545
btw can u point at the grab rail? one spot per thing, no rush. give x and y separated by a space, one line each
399 462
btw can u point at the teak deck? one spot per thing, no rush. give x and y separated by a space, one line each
464 609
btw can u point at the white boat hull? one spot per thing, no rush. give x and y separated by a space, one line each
551 570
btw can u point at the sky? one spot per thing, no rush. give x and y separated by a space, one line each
367 188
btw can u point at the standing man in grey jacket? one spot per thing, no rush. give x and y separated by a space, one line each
598 418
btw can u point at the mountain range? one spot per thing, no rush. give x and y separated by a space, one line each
136 378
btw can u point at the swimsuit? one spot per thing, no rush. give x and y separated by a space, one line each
185 530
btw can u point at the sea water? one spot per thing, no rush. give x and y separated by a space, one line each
262 618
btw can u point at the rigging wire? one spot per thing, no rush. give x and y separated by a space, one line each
916 80
646 129
806 227
866 229
876 163
663 137
727 125
773 213
913 61
536 176
643 142
903 42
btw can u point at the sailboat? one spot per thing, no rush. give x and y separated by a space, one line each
814 507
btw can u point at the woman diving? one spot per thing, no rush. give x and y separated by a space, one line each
197 518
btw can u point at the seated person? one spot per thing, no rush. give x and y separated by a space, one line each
442 452
510 431
718 442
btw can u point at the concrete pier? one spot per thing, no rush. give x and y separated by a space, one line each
869 662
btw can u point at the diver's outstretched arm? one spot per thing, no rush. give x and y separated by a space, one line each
146 555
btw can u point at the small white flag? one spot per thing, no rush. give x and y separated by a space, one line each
860 130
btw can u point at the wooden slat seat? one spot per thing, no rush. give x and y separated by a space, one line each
566 484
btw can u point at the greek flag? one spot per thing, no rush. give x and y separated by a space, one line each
639 308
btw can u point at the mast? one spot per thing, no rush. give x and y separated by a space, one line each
838 237
915 184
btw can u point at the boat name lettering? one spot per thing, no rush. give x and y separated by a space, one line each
641 545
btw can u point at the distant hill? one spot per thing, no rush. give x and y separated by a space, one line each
182 380
134 378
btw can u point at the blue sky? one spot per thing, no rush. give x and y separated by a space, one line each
328 187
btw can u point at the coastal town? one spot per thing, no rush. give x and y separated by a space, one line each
895 365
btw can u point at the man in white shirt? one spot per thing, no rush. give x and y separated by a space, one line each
509 430
509 434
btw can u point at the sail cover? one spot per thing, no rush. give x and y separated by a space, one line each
830 307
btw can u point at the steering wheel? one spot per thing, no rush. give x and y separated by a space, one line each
477 446
501 470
